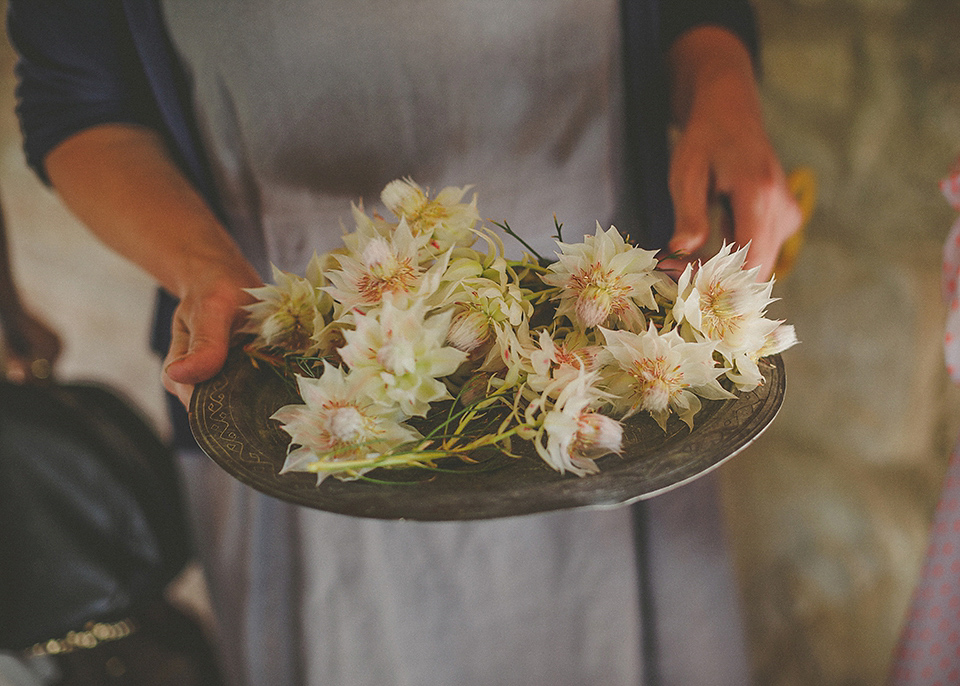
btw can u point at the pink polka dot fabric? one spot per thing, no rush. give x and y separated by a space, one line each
929 648
951 270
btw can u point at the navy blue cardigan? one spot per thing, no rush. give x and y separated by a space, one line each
89 62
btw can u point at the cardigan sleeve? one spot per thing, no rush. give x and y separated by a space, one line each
76 69
677 16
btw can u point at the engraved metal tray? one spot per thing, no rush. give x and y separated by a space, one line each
230 418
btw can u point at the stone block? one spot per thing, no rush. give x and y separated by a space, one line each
811 72
887 8
828 553
866 373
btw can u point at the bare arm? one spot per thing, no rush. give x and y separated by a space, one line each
724 149
120 181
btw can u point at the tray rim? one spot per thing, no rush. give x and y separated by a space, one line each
615 486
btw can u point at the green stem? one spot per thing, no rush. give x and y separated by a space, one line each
513 234
395 460
519 264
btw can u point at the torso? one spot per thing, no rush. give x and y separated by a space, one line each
305 106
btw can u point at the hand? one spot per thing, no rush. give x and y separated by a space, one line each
204 322
122 182
31 348
723 152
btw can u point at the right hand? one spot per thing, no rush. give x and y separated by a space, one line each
204 323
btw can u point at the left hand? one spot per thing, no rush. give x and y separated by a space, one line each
724 151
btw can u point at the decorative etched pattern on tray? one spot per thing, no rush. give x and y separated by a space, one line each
230 418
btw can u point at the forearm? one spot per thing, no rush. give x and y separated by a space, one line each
711 67
120 181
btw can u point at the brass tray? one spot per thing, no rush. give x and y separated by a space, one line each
230 418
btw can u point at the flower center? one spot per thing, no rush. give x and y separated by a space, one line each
578 359
293 326
347 424
387 275
600 294
721 316
656 383
427 217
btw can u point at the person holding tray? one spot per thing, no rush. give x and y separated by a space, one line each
207 141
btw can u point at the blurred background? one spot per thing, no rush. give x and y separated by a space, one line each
829 510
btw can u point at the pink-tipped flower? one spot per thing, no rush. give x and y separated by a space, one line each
604 280
338 423
722 302
445 219
576 433
290 313
401 350
660 373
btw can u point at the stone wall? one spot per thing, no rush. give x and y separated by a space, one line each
830 509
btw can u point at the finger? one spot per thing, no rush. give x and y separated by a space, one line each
179 345
201 339
183 392
764 217
36 370
750 216
689 189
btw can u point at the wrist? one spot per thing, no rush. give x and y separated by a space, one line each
208 267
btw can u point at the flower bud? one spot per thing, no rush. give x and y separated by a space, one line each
593 306
469 329
475 389
597 435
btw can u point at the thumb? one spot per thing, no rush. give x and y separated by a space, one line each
689 234
200 341
689 189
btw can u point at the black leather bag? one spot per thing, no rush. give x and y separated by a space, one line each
91 522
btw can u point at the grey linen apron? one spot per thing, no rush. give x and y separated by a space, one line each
307 106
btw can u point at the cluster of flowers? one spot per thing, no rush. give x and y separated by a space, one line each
409 320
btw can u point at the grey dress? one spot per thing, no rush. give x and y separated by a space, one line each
306 106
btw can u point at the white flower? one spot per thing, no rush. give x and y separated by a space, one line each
604 280
338 422
576 433
482 307
401 351
289 314
385 267
486 298
445 220
722 302
659 373
558 361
